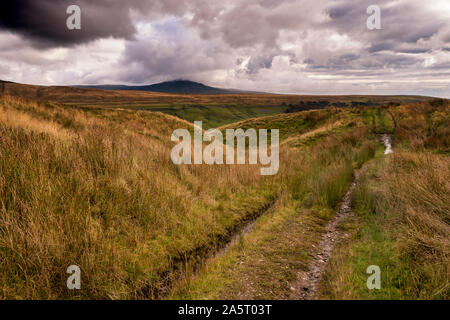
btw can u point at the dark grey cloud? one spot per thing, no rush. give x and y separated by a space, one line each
44 21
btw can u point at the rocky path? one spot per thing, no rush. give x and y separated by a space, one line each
307 283
306 287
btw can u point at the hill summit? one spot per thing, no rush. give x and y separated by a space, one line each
175 86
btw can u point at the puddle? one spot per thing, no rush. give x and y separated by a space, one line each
387 141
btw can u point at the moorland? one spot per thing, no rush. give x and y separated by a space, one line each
86 179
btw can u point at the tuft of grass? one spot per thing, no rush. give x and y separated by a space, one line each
423 126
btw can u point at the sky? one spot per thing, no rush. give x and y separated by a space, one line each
282 46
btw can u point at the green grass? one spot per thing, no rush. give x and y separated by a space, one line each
379 120
212 115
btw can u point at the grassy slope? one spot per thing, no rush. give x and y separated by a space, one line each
96 188
402 222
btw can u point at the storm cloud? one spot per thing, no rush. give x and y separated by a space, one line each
44 21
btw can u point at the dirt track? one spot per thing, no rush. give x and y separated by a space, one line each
306 286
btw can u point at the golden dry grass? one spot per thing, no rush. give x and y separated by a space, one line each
98 189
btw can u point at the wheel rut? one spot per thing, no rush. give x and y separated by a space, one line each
307 283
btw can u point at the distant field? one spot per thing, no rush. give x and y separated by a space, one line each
213 110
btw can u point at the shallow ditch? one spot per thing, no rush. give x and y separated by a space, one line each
188 265
307 285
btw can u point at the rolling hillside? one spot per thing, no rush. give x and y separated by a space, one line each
213 109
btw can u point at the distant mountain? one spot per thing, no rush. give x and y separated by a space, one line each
177 86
